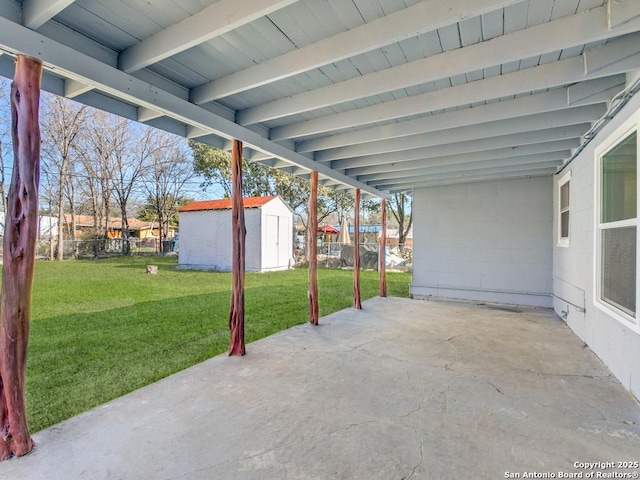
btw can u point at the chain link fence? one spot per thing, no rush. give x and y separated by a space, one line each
338 255
98 248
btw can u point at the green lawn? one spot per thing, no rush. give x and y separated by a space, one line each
102 328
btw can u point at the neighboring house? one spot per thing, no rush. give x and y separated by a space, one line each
137 228
393 237
566 241
205 234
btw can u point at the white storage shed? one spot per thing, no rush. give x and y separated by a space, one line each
205 234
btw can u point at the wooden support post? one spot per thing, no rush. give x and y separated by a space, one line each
312 254
382 267
356 252
238 234
20 235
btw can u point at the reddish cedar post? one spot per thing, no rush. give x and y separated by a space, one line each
382 269
20 235
314 310
238 234
356 252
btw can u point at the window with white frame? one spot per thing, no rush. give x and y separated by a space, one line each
564 190
618 227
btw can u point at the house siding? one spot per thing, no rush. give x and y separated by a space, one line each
489 241
574 266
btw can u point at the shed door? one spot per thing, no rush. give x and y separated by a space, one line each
271 246
285 239
276 248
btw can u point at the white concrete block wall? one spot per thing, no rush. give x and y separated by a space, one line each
488 241
617 345
204 239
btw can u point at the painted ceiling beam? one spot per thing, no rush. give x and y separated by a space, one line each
36 13
145 114
196 132
571 70
399 168
412 21
73 89
470 169
515 140
486 173
566 32
606 55
215 20
482 131
622 11
527 105
457 179
70 63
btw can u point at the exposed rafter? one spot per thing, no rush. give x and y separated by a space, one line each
423 17
36 13
462 162
213 21
515 140
471 169
481 131
571 70
566 32
379 97
114 82
595 91
479 176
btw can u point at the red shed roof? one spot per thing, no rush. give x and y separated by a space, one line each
224 204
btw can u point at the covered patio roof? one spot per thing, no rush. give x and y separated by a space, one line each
381 95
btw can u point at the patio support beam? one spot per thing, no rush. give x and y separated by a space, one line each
20 235
382 269
356 251
312 254
238 234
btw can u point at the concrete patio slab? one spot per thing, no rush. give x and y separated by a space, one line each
403 389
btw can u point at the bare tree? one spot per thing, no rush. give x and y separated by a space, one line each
62 122
128 163
169 171
105 139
